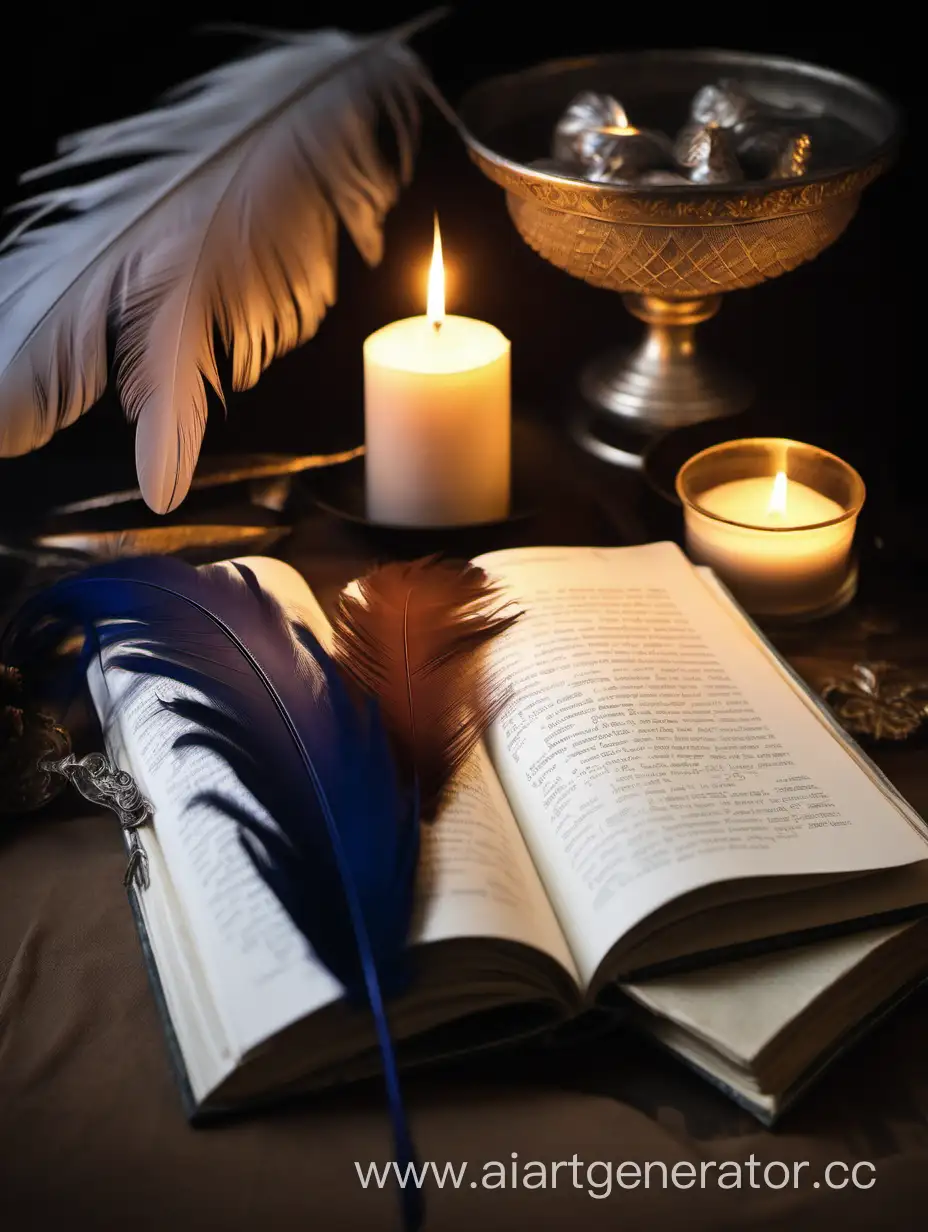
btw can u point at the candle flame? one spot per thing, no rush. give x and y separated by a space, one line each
435 310
778 494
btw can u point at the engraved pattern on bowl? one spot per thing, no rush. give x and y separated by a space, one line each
677 261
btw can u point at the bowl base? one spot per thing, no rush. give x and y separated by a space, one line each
655 390
624 407
608 437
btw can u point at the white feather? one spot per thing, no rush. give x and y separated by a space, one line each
229 219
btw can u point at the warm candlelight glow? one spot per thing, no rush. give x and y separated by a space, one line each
777 503
782 544
621 116
435 310
622 128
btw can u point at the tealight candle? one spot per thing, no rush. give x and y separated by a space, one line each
775 519
437 417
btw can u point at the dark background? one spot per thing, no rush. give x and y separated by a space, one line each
830 346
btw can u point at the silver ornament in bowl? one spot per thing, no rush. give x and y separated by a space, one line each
708 154
594 136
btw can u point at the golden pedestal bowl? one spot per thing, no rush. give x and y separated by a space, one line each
672 251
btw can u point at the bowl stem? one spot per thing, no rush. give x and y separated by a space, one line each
664 382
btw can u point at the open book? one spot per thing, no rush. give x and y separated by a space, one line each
660 793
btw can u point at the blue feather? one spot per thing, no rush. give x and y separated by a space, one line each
343 850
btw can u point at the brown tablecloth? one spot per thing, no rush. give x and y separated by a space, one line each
92 1132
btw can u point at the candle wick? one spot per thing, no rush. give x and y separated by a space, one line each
436 325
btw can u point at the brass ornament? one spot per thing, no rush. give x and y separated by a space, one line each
878 700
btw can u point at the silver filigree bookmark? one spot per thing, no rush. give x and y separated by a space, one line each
102 783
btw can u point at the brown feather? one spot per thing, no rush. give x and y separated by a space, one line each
415 638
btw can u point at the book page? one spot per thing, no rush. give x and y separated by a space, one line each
766 1026
651 748
199 1032
742 1007
477 875
819 708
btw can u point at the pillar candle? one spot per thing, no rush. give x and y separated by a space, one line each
437 417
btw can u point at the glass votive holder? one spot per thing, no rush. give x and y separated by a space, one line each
775 520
